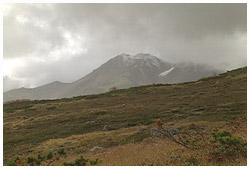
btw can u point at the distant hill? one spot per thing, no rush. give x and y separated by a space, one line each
122 71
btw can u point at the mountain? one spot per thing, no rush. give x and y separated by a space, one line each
122 71
48 91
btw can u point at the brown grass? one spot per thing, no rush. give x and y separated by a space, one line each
39 127
151 151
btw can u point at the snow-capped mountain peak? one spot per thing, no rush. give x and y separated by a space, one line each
143 56
140 58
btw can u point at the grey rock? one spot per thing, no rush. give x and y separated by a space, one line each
173 131
142 131
107 127
156 132
67 142
101 133
29 151
55 149
191 132
90 122
189 117
96 148
107 139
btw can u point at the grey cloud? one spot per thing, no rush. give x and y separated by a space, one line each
9 83
214 34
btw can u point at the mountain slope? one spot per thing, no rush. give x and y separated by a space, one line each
48 91
210 102
122 71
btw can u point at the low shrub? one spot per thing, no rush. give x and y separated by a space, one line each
227 147
82 162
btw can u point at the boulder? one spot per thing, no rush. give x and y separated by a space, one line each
142 131
96 148
173 131
29 151
189 117
107 127
156 132
24 117
107 139
90 122
67 142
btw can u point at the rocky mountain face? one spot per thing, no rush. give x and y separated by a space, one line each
122 71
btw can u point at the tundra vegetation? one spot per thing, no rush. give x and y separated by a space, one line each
201 123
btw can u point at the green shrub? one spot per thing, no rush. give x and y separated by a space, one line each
227 146
68 164
187 141
12 162
61 151
49 155
50 158
33 161
194 140
227 141
94 162
39 157
81 162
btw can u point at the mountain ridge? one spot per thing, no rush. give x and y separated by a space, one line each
122 71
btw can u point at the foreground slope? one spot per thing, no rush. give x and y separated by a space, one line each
32 127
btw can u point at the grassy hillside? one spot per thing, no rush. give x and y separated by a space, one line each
76 124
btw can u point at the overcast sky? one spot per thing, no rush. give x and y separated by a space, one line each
43 43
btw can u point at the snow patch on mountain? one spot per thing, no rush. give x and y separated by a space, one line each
147 59
166 72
